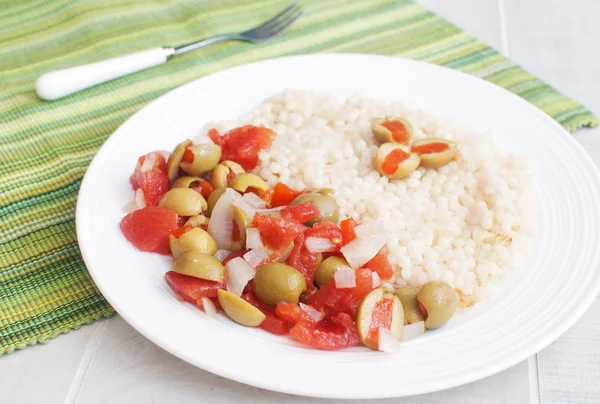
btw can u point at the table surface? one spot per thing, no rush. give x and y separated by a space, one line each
108 361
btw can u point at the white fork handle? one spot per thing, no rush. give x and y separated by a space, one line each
60 83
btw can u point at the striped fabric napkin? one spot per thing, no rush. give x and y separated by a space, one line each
45 147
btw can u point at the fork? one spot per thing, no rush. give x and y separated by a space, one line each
60 83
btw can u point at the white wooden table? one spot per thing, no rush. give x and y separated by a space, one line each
109 362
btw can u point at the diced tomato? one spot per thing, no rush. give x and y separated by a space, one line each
192 289
179 232
282 195
392 160
153 182
243 144
275 231
233 255
347 228
327 230
267 196
293 313
347 300
399 131
272 323
304 261
188 156
335 333
428 148
204 188
148 228
300 213
381 265
381 318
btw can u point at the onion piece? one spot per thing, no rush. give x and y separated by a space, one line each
148 163
376 279
209 306
256 257
221 254
313 313
202 139
253 239
387 342
241 203
318 245
138 202
238 275
345 278
272 211
220 226
254 200
369 229
361 250
414 330
387 285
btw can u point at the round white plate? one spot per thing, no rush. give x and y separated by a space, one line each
560 282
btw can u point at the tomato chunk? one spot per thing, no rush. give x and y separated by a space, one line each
436 147
272 323
293 313
192 289
381 265
243 144
300 213
282 195
382 318
392 160
152 180
148 229
204 188
347 300
327 230
304 261
276 232
347 228
335 333
399 131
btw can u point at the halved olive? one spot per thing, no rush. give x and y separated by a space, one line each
248 181
274 283
328 207
325 272
199 265
196 240
410 304
199 159
197 221
175 159
224 172
396 161
386 305
184 201
242 221
435 152
391 130
213 198
186 181
240 310
440 301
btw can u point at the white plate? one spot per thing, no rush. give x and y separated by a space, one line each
559 284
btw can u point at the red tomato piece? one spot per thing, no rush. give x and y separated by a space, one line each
272 323
382 318
267 196
347 228
179 232
243 144
300 213
399 131
346 300
204 188
381 265
435 147
304 261
293 313
392 160
153 181
282 195
275 231
326 229
192 289
335 333
148 229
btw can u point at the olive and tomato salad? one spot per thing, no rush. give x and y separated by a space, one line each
274 258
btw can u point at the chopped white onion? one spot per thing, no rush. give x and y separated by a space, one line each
369 229
313 313
148 163
256 257
387 285
319 245
414 330
361 250
241 203
253 239
376 279
254 200
238 275
345 278
222 254
386 342
272 211
220 226
138 202
202 139
209 306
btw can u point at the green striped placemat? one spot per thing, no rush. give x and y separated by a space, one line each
45 147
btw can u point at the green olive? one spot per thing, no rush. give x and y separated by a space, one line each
402 134
223 172
199 265
435 152
364 317
410 304
440 301
242 221
197 221
184 201
213 198
326 271
274 283
405 167
206 157
240 310
196 240
326 191
328 207
186 181
175 159
246 181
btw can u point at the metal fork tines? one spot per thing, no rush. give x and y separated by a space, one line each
269 29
